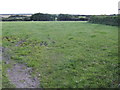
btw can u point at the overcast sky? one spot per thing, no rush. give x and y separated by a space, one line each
59 6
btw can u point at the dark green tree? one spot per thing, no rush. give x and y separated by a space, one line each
42 17
64 17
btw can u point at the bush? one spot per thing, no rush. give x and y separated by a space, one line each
68 17
105 19
42 17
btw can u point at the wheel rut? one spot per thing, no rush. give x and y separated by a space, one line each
19 74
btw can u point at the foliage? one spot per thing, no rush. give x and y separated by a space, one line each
68 17
47 17
104 19
42 17
64 17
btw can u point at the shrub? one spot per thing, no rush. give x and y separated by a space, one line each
105 19
42 17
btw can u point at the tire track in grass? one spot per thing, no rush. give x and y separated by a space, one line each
19 74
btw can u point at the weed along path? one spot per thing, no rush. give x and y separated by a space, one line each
18 74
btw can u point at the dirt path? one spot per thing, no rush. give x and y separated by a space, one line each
19 74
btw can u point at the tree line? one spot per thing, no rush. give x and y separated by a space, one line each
47 17
99 19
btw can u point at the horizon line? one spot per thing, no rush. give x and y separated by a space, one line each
49 13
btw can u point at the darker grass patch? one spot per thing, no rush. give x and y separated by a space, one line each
100 32
70 38
43 43
92 36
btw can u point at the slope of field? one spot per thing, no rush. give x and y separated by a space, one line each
65 54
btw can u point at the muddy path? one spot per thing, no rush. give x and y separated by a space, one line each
19 74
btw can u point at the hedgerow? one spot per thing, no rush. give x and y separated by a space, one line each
105 19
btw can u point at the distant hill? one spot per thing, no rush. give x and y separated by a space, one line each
7 15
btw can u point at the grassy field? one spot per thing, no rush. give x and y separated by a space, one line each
0 55
65 54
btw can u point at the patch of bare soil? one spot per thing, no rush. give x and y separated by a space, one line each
19 74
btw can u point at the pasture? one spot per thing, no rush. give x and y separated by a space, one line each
63 54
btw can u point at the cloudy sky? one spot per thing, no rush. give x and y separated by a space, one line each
93 7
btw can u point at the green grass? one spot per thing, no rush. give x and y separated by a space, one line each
0 55
5 81
65 54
